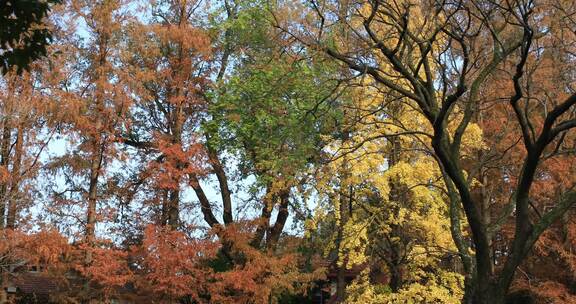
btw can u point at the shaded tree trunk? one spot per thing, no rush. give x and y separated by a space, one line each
486 293
276 230
95 166
97 146
344 210
396 247
341 272
15 179
173 218
4 161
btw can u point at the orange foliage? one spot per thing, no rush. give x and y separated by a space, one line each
109 268
172 264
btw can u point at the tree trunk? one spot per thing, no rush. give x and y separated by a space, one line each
205 206
276 230
4 158
396 277
96 138
225 192
344 212
173 203
484 293
15 179
264 219
95 164
173 209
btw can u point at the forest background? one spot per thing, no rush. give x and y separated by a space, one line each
253 151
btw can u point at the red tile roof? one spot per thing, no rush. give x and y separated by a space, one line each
35 283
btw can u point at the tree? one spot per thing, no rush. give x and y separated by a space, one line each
390 208
91 99
189 151
430 57
216 125
168 59
25 113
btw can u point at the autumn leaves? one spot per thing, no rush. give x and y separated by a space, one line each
222 151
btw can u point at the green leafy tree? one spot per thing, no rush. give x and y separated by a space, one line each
24 33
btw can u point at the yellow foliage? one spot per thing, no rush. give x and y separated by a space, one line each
363 162
445 288
354 244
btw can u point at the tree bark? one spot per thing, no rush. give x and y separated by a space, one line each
205 206
174 209
4 161
225 192
487 293
344 211
95 166
96 146
15 179
276 230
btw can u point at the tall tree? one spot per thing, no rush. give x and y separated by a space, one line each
432 57
25 135
170 60
92 103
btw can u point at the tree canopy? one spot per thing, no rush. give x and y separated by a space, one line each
251 151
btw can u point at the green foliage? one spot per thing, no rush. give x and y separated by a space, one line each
273 108
267 115
23 34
